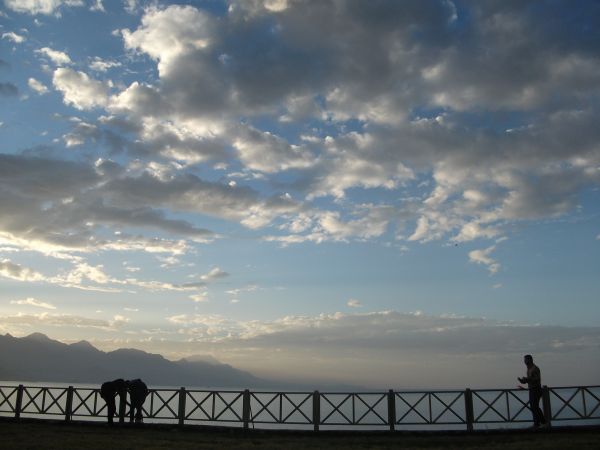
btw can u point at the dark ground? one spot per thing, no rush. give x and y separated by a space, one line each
60 436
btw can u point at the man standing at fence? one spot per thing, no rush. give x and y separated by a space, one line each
534 382
108 391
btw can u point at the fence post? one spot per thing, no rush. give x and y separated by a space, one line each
547 406
181 404
19 401
246 408
69 404
316 410
391 400
469 409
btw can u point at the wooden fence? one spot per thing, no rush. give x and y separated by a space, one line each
392 410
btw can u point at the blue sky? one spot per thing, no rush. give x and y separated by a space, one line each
367 188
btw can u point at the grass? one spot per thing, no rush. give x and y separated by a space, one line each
61 436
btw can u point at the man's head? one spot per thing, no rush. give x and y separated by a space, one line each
528 360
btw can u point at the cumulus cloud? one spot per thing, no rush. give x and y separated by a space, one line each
482 256
37 86
18 272
14 37
79 90
56 56
46 7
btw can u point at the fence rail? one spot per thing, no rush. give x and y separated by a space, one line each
451 409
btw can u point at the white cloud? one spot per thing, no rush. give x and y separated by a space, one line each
17 272
266 152
40 6
166 34
201 297
98 6
79 89
14 37
33 302
101 65
214 274
37 86
353 303
57 57
482 256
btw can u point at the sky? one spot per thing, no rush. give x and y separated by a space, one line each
384 193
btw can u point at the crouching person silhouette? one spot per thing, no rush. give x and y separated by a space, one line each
108 391
137 395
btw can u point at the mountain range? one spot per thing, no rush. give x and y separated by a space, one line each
38 358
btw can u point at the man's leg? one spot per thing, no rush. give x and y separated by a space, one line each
110 409
534 405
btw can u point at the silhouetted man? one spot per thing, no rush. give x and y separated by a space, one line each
137 395
108 391
534 382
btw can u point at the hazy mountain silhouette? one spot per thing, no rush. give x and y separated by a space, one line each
39 358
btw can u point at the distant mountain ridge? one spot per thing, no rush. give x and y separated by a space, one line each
38 358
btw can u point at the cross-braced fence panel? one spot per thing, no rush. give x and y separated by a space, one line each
213 406
291 408
501 406
8 399
575 403
87 402
161 404
44 400
430 408
353 409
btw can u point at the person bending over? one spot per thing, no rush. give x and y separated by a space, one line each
108 391
137 394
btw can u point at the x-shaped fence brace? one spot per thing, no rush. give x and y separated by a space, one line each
164 405
6 398
213 416
198 405
448 407
412 407
336 407
490 406
264 406
83 403
43 408
567 403
370 408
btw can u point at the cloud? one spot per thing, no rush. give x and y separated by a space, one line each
353 303
390 348
46 7
482 256
214 274
59 320
33 302
14 37
37 86
57 57
100 65
79 90
17 272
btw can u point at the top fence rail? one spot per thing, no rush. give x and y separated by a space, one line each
445 409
